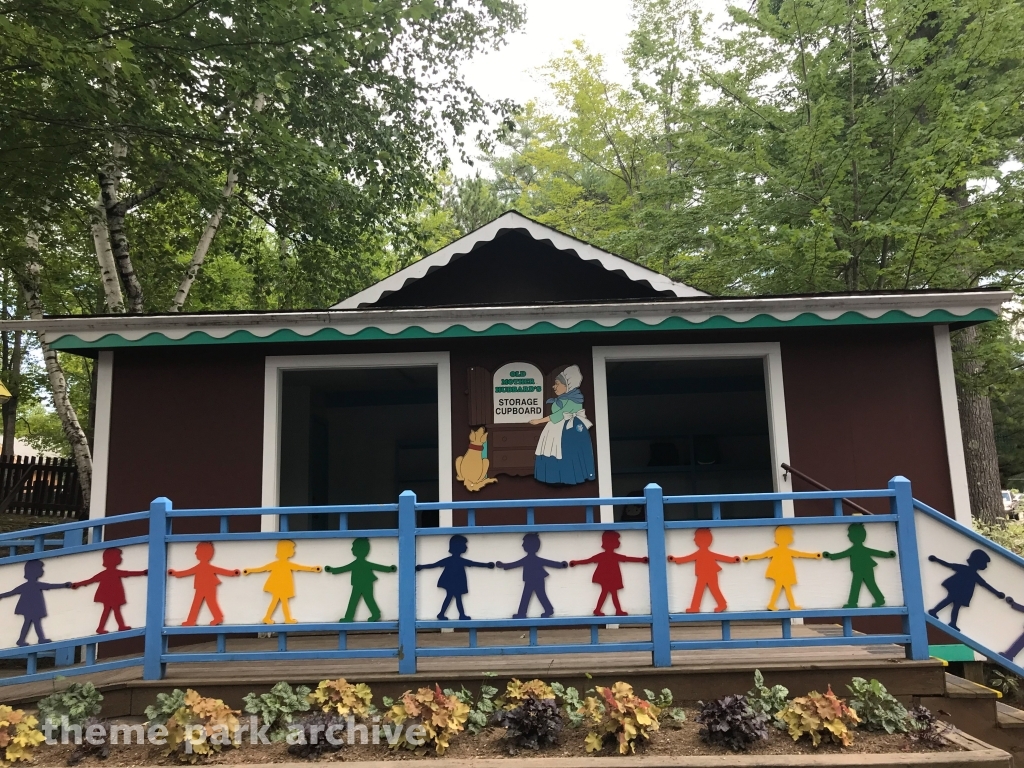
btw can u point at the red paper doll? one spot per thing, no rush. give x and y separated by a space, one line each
205 584
608 574
706 567
110 591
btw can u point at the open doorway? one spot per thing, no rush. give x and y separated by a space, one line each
693 426
358 436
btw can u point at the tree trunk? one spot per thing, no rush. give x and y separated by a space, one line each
116 209
58 383
12 376
203 247
105 257
978 433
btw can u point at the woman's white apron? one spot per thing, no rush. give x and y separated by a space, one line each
550 441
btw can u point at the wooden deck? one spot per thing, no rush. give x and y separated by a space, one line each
693 675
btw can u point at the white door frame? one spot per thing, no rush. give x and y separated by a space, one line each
275 366
778 434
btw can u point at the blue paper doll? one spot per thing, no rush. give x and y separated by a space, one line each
32 603
1018 644
453 577
534 573
960 586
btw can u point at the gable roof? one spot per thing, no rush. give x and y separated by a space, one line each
652 283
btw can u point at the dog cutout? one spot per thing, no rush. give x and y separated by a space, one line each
471 468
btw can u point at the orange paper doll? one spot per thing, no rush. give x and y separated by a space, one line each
706 567
205 584
608 574
110 590
781 567
281 581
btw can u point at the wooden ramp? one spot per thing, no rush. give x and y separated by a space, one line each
693 675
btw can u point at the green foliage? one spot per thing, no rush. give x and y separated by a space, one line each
78 702
618 716
663 701
1005 682
730 722
572 703
278 707
480 710
533 723
820 716
1009 533
165 707
768 701
878 709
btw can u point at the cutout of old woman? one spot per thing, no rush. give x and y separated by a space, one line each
565 455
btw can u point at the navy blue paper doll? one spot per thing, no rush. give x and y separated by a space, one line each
1018 644
534 573
31 602
453 577
960 586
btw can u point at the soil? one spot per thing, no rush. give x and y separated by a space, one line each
678 741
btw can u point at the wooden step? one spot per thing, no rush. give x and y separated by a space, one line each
1008 717
958 688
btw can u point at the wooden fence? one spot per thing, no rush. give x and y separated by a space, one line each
40 486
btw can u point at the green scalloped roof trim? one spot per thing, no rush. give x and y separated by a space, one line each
807 319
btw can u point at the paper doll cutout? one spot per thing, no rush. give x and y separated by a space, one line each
862 565
362 579
1018 644
960 586
453 576
471 469
706 567
110 589
31 601
608 574
205 584
280 584
534 572
781 568
565 454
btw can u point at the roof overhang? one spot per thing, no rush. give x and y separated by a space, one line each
82 333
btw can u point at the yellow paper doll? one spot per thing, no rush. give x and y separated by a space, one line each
281 583
781 567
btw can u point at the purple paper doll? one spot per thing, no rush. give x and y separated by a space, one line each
453 577
32 603
534 573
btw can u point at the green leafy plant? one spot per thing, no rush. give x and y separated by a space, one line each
820 716
768 701
1005 682
571 703
441 717
730 722
618 716
19 734
78 702
277 707
200 727
92 746
166 705
343 698
531 724
664 701
480 709
312 743
878 709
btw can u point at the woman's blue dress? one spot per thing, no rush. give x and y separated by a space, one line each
577 462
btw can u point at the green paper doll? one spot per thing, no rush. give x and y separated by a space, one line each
862 565
362 579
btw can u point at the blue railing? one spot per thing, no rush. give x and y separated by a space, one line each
408 630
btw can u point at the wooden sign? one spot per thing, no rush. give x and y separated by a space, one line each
518 393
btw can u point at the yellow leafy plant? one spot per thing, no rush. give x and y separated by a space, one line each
441 717
820 716
19 735
618 715
343 698
200 727
517 692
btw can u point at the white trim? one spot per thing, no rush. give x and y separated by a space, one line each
101 435
951 423
769 352
487 233
272 411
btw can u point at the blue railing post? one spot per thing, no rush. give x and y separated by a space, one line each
407 583
914 623
661 636
156 590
